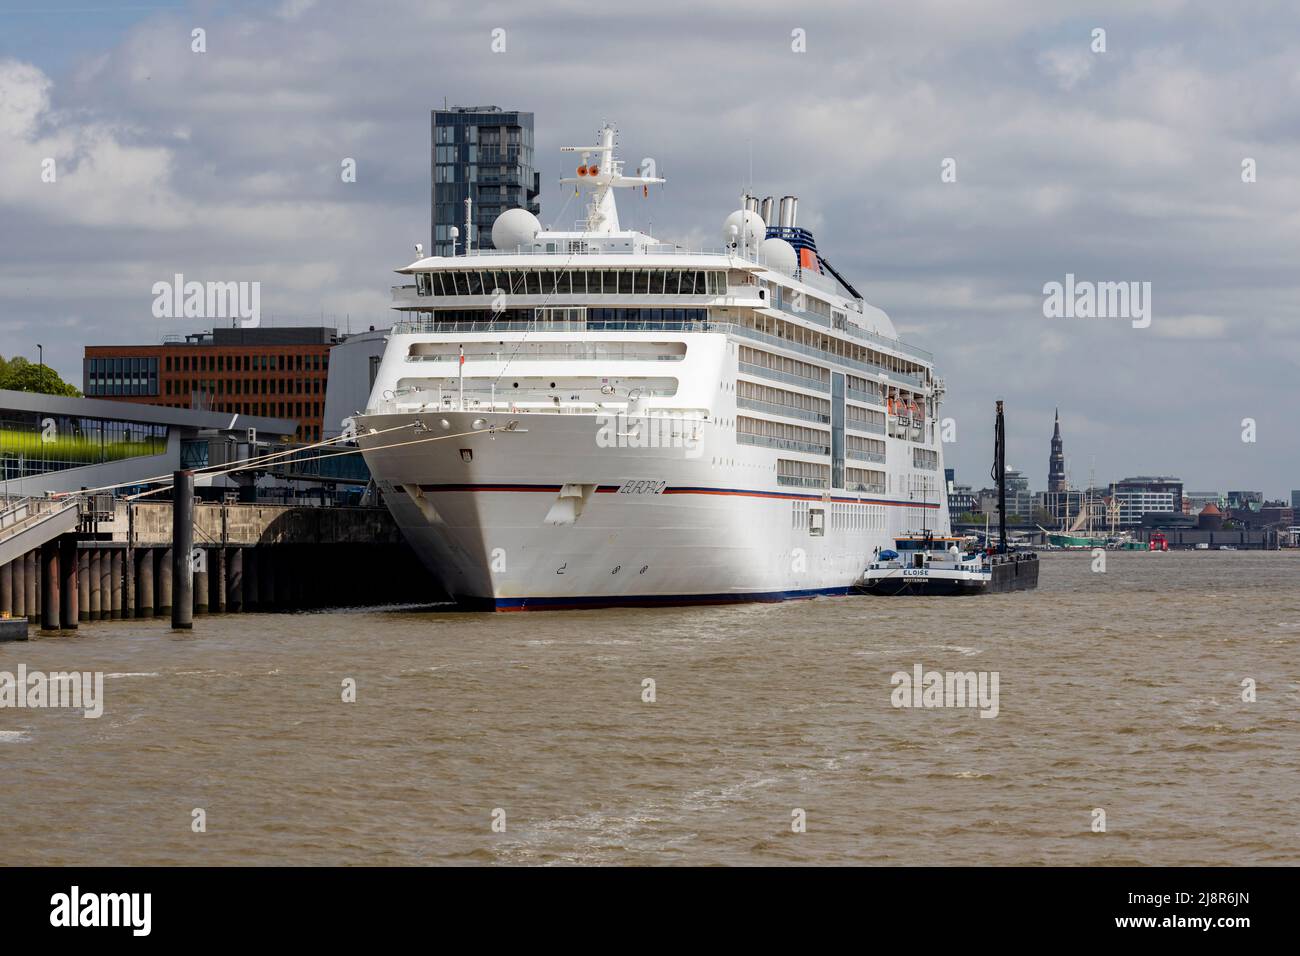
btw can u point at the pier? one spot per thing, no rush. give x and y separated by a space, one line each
89 558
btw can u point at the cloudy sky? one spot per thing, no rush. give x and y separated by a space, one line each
1122 165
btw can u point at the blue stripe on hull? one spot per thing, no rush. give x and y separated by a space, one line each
655 600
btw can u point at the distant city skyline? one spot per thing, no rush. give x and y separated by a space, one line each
953 161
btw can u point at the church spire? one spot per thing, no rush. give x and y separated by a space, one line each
1056 461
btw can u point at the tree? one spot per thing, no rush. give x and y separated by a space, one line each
21 375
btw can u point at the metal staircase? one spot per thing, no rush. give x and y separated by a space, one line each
28 523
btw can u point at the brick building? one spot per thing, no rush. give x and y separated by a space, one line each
277 372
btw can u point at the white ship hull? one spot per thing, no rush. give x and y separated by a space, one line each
655 525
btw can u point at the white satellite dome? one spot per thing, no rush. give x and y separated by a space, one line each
779 255
514 228
750 229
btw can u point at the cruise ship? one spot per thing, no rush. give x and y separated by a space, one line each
593 417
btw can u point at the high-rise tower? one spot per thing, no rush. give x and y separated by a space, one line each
483 153
1056 463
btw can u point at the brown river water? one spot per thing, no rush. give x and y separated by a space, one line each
1119 691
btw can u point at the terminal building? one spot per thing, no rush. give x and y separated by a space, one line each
52 443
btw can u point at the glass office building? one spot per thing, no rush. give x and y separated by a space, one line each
54 443
33 443
483 153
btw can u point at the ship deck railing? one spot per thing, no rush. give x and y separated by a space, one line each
433 326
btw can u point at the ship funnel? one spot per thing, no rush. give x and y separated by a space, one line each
751 203
767 211
789 211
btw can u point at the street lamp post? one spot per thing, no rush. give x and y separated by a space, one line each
40 354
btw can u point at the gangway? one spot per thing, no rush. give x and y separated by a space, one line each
27 523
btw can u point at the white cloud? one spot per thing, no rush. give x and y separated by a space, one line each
1120 166
1068 66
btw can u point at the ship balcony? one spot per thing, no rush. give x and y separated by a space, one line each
786 411
875 428
912 381
522 351
409 297
782 444
856 455
796 481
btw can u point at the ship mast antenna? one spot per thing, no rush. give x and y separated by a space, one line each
602 176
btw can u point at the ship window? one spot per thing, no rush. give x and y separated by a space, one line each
476 283
534 282
641 280
625 282
657 279
565 282
610 278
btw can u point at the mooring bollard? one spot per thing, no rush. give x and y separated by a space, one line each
182 548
